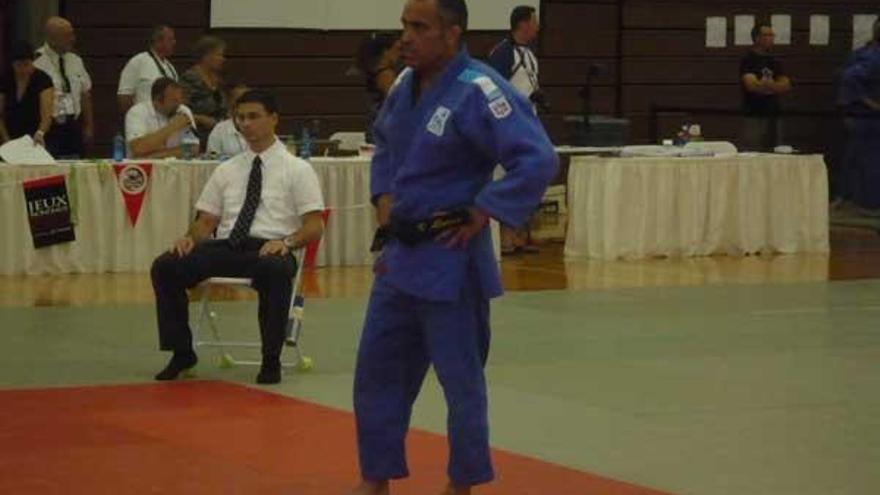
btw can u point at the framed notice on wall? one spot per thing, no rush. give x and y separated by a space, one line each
781 28
820 30
716 32
743 25
863 29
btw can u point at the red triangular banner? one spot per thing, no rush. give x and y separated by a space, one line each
133 180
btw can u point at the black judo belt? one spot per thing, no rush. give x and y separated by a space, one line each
413 233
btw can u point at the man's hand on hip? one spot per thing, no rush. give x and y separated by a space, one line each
460 237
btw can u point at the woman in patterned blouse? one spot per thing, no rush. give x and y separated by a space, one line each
204 84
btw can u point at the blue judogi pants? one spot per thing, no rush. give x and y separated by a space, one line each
402 336
863 161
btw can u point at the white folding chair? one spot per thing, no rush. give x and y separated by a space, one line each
293 330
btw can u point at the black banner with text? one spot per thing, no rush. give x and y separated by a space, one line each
48 208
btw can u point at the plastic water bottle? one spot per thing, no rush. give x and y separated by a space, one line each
189 144
118 147
305 144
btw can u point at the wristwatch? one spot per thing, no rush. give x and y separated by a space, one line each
289 242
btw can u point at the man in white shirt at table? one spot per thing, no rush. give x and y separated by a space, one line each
141 70
264 204
155 129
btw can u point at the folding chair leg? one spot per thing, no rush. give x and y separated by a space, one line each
293 329
207 315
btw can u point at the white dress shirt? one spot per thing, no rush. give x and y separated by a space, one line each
67 103
225 140
143 119
139 73
290 190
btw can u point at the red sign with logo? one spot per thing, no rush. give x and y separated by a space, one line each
133 180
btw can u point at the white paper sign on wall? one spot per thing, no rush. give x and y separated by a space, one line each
743 25
716 32
820 30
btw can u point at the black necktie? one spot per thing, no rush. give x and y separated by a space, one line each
242 226
66 87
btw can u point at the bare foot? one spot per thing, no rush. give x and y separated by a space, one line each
452 490
371 488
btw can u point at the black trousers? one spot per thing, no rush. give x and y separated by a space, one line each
272 277
65 140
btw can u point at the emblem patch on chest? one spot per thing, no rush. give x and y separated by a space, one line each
437 124
500 107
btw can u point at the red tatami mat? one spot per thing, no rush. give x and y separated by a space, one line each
203 437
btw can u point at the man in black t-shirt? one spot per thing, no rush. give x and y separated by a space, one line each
763 81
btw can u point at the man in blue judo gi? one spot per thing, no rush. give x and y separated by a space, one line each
859 99
444 127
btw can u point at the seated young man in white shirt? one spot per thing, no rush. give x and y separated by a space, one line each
154 129
264 204
225 140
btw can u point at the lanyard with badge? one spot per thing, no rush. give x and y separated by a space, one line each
161 67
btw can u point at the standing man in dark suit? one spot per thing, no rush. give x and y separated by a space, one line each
514 59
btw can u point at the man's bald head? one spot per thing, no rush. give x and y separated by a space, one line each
59 34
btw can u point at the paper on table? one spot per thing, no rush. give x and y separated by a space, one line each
863 29
22 151
820 30
781 28
716 32
743 25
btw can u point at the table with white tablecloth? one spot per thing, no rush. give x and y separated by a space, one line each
634 208
107 242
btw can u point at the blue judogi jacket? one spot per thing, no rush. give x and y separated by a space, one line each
860 77
437 153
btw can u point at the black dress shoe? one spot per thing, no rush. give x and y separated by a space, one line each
270 373
180 362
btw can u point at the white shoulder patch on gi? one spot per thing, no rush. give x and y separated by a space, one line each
500 107
490 89
498 103
437 124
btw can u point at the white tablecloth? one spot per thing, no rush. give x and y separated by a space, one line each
106 241
643 207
